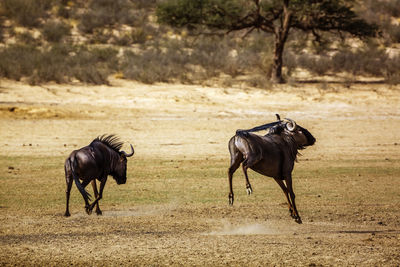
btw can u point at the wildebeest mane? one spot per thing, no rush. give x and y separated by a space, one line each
112 141
291 145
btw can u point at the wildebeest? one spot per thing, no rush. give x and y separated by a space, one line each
271 155
95 161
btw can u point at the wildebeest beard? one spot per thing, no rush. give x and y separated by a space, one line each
119 172
119 179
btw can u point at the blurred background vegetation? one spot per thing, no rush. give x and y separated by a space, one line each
66 41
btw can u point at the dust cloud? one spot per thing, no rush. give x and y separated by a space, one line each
246 229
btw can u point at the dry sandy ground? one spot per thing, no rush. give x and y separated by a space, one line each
359 125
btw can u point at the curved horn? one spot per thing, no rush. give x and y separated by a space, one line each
128 155
278 117
291 125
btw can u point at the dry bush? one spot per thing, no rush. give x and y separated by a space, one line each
123 40
210 54
138 36
319 65
100 37
64 12
17 61
154 65
368 61
173 61
103 13
28 39
394 33
259 81
59 63
26 12
381 13
55 31
290 62
144 4
392 70
191 62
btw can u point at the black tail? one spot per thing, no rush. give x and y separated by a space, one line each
78 184
242 133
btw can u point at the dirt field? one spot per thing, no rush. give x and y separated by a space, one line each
174 208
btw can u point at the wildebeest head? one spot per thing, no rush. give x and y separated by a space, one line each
301 135
119 173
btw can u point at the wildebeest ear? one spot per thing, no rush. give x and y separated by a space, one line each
278 117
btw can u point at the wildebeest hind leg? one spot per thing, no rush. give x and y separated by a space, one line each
248 185
68 180
100 196
98 211
236 159
250 161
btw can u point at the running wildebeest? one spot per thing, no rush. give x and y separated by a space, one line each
95 161
271 155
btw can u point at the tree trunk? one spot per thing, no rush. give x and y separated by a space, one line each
281 34
276 74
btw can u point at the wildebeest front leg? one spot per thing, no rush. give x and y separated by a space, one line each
286 192
98 211
292 197
102 184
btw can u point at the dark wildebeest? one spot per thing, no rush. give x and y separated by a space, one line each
271 155
95 161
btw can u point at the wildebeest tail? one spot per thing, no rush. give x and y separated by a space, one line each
80 187
242 133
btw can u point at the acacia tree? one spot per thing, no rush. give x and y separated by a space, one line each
276 17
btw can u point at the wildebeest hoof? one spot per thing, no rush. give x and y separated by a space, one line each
67 214
98 212
230 199
88 210
249 190
298 220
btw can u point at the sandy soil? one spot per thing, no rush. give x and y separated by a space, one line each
356 124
